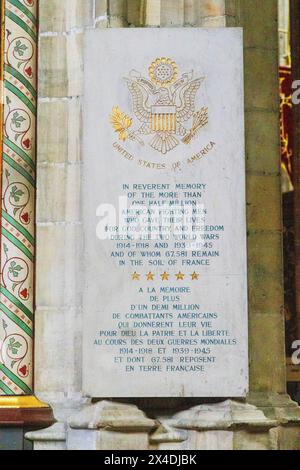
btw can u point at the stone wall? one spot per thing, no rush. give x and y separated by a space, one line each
59 230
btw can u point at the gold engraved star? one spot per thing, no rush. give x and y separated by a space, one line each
150 276
165 276
195 276
179 276
135 276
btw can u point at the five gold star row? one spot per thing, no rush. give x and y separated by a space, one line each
165 276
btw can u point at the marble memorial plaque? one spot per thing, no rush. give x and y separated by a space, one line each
165 283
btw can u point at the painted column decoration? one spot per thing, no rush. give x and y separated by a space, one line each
18 198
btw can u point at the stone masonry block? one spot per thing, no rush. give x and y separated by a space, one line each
262 141
264 202
260 29
266 346
172 13
58 16
61 66
58 265
211 8
59 131
64 203
262 68
134 12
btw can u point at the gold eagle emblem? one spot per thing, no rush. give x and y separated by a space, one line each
162 105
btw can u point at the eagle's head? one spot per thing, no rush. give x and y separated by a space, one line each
163 95
163 91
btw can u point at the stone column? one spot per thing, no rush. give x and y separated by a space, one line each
18 406
267 354
265 267
18 193
295 40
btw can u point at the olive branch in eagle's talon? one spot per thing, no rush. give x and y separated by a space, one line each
121 124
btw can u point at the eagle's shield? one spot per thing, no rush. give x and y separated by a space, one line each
163 119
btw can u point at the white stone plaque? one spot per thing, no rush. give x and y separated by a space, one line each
165 286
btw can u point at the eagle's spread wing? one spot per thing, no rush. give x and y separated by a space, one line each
187 97
139 99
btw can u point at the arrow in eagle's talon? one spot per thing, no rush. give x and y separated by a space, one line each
200 120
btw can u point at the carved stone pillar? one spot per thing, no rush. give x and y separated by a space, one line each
19 31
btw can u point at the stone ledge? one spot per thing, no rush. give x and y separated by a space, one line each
228 415
167 434
112 417
56 433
